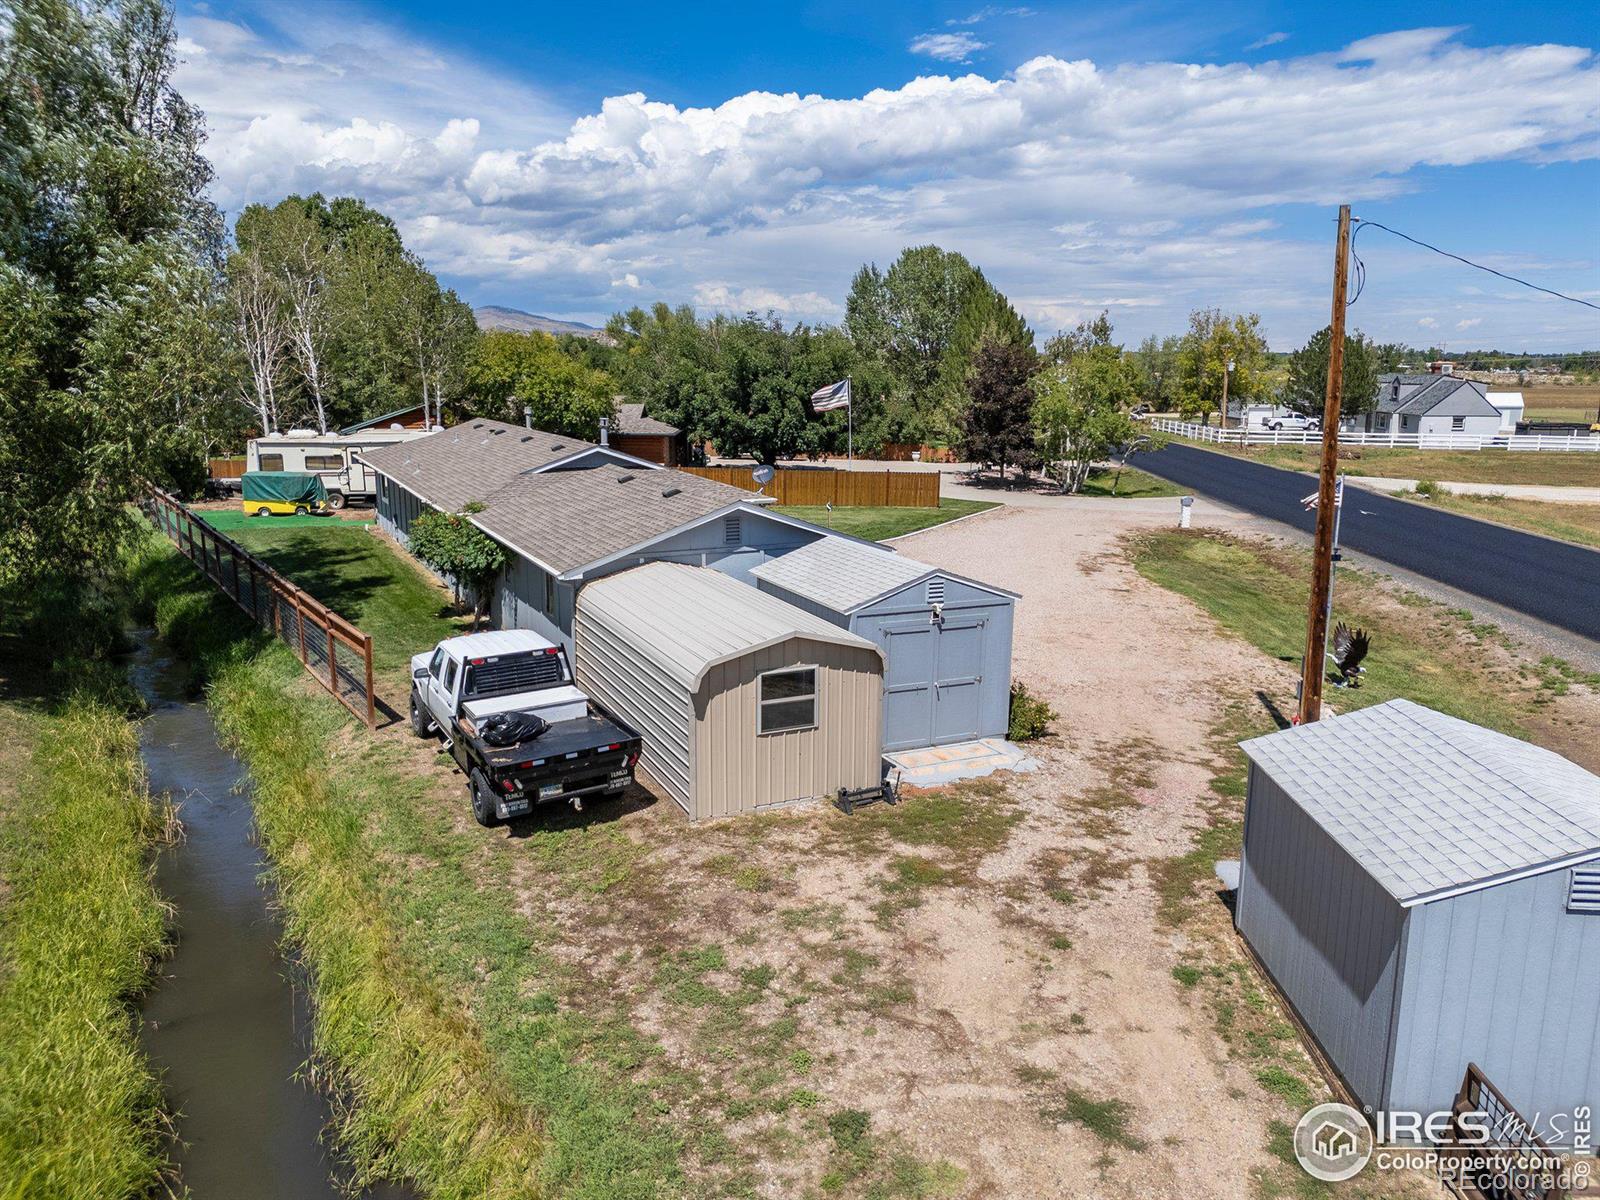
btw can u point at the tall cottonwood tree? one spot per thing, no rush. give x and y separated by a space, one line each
109 267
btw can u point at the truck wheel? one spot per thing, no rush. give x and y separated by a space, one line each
263 511
336 500
482 799
419 722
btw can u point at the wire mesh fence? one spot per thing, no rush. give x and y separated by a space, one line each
335 653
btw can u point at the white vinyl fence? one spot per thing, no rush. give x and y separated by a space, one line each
1409 441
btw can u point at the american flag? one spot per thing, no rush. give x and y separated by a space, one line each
835 395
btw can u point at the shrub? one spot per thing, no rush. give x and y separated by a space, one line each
1428 488
455 547
1030 715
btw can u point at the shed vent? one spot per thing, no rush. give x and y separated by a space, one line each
1583 893
935 591
730 531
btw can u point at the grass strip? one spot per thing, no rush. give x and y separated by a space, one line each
875 524
416 1094
81 927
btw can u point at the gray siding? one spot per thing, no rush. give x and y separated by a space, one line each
1325 931
520 602
1507 978
759 538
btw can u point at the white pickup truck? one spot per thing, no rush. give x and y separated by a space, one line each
473 690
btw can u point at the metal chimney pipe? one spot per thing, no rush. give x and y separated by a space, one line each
605 431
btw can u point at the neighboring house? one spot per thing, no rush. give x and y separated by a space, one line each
1431 404
413 417
1426 894
645 437
946 639
571 511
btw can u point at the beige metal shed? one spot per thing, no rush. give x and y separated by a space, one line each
744 701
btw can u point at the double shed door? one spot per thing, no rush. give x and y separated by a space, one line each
933 680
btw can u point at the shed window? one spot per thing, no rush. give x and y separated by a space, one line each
272 462
324 462
788 700
1583 891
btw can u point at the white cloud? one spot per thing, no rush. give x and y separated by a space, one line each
987 13
1428 323
947 47
1146 187
1469 323
1272 39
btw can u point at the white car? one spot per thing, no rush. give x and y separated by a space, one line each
1293 422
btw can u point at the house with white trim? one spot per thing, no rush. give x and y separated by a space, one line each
1430 405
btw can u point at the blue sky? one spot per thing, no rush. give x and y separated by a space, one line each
1149 159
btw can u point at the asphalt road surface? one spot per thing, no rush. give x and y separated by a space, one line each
1548 580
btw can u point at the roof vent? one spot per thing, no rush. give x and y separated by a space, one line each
497 432
558 445
477 424
527 437
624 478
730 531
1583 891
671 491
935 591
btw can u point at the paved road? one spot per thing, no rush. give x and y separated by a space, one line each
1545 579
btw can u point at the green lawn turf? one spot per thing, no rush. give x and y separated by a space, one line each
1559 468
360 576
877 524
1131 485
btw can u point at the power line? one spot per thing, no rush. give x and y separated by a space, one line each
1361 270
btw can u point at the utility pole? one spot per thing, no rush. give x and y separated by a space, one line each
1312 668
1227 370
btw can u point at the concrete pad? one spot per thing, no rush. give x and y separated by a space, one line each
938 765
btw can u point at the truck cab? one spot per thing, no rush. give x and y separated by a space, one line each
571 747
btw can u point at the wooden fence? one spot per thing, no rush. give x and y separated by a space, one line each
1514 1163
226 468
335 652
842 489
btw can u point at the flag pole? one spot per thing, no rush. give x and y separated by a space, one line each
850 422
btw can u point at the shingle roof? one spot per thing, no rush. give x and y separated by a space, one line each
1430 804
631 419
567 519
844 576
688 619
1429 391
467 462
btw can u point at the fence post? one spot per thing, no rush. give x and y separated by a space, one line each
333 655
300 626
366 653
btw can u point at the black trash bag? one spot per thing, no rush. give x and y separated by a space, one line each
511 729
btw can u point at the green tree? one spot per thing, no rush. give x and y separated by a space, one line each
456 548
109 257
997 428
1213 340
1156 363
1085 336
665 361
1306 388
1080 411
507 370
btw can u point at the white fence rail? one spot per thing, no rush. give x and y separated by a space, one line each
1408 441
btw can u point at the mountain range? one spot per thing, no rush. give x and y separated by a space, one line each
493 316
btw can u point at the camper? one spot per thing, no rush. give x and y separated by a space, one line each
329 456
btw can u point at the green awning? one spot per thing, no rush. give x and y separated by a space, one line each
286 487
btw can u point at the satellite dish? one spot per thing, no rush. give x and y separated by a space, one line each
763 475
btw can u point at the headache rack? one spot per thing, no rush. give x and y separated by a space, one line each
847 800
506 674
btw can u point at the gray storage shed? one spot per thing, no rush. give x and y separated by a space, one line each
744 702
946 639
1426 893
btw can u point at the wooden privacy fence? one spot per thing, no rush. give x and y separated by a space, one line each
226 468
842 489
335 652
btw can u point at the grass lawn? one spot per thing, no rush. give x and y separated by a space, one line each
1131 484
876 524
1570 522
1576 469
1421 650
357 574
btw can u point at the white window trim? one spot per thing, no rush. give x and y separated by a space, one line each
815 697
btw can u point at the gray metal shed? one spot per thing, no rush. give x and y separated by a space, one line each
1426 893
744 702
946 639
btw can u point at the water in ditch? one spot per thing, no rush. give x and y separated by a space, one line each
225 1026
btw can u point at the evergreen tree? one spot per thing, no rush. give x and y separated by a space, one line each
1307 385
